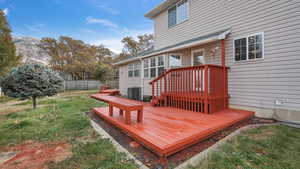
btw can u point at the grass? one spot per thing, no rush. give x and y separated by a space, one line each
268 147
61 118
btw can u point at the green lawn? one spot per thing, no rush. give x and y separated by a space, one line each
268 147
61 118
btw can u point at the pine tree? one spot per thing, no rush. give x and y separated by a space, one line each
8 57
31 82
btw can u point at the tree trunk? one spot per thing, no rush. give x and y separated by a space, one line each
34 102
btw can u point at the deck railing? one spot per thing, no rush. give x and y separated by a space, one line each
198 88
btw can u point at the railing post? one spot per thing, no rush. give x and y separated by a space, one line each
206 90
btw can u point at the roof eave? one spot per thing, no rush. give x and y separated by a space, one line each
122 62
160 8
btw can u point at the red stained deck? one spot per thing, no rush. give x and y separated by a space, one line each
168 130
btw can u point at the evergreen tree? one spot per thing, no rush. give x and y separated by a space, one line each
8 57
31 82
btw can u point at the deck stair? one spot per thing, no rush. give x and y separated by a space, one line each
198 88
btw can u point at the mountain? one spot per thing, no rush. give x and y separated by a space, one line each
31 52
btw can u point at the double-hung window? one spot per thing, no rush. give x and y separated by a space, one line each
249 48
130 70
134 69
154 66
178 13
160 65
136 72
146 68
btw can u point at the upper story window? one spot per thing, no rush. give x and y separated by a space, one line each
249 48
175 60
154 66
178 13
134 69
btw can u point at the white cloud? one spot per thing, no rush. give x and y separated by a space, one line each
108 9
114 44
103 22
5 11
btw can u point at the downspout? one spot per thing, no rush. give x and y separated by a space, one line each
225 85
142 78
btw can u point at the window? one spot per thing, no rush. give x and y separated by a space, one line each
134 69
182 11
249 48
136 72
146 68
172 16
178 13
240 49
130 70
160 65
255 47
175 60
154 66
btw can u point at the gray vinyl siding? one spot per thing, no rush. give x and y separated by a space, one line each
251 83
126 82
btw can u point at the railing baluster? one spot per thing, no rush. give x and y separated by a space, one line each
200 88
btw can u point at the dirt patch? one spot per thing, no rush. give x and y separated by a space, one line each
152 160
36 155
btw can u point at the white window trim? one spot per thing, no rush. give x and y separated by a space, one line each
177 18
146 68
247 48
156 66
180 54
159 66
134 68
192 55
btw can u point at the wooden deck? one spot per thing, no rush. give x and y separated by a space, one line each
167 130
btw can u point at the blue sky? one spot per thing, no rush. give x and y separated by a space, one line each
93 21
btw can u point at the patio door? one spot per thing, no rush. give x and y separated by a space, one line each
198 59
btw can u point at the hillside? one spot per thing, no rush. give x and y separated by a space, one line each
28 48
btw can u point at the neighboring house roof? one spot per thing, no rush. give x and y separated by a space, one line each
160 8
219 35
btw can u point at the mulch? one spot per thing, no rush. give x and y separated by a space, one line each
152 160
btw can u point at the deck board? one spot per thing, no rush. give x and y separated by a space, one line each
166 130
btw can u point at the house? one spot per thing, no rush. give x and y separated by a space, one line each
257 41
